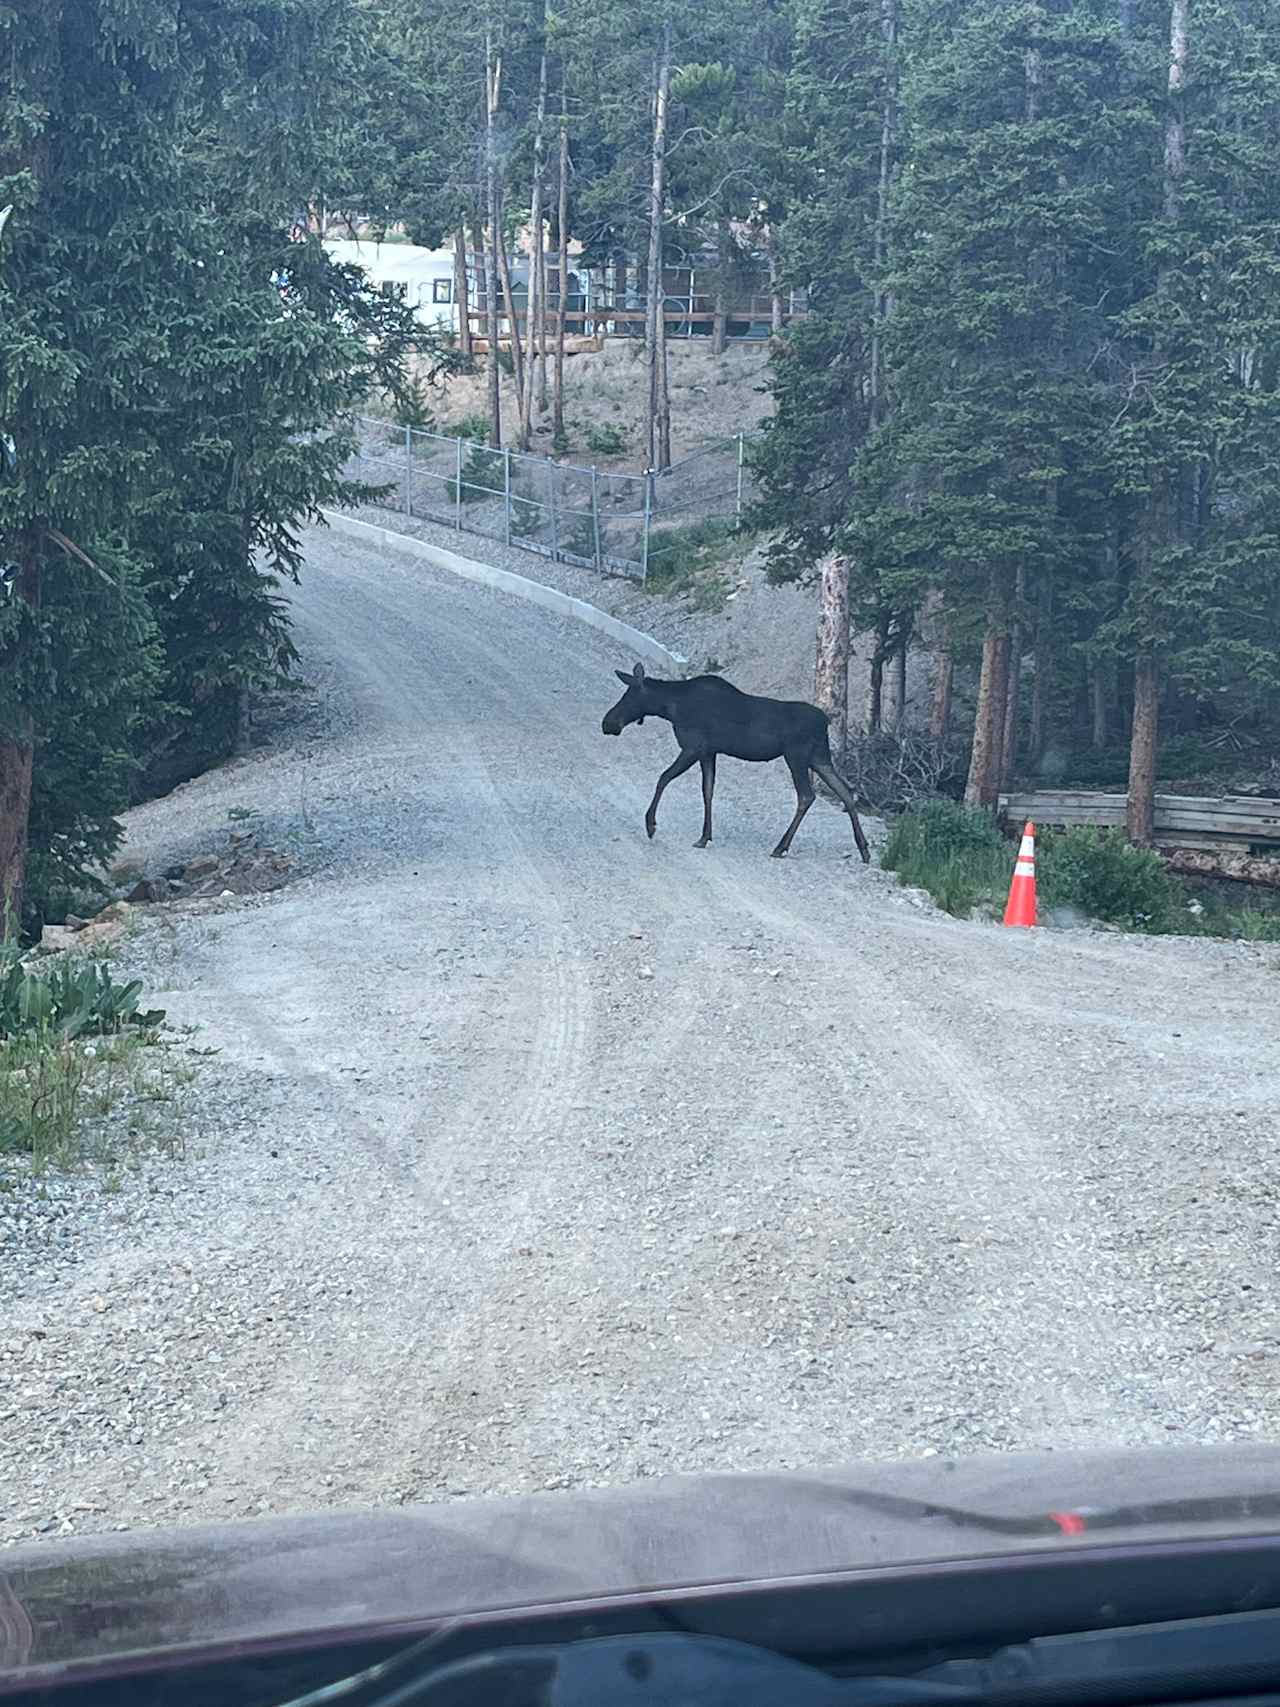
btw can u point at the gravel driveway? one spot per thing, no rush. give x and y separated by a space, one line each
537 1154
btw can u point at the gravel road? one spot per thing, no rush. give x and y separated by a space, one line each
536 1154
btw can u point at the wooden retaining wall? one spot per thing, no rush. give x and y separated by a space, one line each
1231 823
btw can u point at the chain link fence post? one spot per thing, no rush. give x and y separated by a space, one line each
595 514
506 490
553 480
408 471
737 509
457 486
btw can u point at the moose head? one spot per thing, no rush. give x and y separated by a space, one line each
634 706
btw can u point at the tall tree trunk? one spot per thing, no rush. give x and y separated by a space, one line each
461 290
719 316
541 398
1013 685
943 684
875 683
897 708
17 759
517 353
562 221
1042 686
831 667
1143 746
659 420
775 282
493 89
888 124
1163 510
1099 693
983 785
537 278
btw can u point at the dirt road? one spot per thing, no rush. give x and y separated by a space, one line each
542 1154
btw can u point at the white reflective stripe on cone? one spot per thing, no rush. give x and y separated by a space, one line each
1028 848
1024 868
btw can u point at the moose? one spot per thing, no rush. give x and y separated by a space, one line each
711 717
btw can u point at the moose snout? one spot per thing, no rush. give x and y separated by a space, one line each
611 726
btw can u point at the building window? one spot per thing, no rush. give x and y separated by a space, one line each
442 290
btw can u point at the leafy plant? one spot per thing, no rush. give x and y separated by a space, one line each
75 998
1107 878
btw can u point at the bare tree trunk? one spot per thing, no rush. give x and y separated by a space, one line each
1099 685
943 684
517 354
537 278
897 709
541 398
17 761
659 418
875 683
719 317
1143 745
562 218
985 762
493 88
1042 686
1013 685
775 283
461 290
1163 520
831 668
888 121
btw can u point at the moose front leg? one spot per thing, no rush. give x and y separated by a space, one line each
678 766
708 789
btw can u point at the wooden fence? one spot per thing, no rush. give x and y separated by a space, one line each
1234 823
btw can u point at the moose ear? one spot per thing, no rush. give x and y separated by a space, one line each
638 673
623 677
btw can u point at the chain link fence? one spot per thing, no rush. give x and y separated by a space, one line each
616 524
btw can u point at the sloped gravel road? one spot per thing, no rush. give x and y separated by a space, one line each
538 1154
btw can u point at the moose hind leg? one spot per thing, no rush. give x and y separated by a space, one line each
708 789
804 800
678 766
840 788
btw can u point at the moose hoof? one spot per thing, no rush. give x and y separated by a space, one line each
778 853
650 830
703 842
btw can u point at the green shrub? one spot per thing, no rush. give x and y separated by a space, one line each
76 998
473 427
1107 878
54 1081
677 556
957 855
605 440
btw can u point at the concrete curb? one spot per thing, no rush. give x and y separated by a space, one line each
644 646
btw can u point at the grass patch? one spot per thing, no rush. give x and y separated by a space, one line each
958 856
691 560
79 1062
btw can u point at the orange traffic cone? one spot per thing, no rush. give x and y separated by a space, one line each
1021 909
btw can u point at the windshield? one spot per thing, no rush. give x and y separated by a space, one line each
639 796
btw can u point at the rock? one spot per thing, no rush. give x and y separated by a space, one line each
202 866
74 922
55 939
149 889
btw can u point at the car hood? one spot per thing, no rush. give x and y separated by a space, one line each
68 1602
